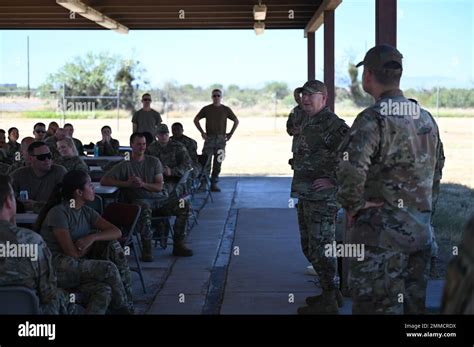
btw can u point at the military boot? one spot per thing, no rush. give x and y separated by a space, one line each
180 250
147 254
311 300
214 187
326 305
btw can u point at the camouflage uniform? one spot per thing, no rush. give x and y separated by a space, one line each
458 292
103 276
295 119
108 148
72 163
316 157
13 149
38 275
395 159
214 146
191 146
51 142
176 157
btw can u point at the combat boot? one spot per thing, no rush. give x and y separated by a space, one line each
180 250
311 300
214 187
326 305
147 254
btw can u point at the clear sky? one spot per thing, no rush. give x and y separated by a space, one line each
436 38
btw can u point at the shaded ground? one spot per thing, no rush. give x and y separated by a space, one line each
247 258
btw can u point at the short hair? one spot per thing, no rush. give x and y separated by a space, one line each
34 145
68 125
388 76
106 127
11 130
5 189
39 125
71 144
178 124
216 90
146 95
2 131
53 123
28 138
135 135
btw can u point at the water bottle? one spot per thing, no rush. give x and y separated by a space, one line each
96 151
23 195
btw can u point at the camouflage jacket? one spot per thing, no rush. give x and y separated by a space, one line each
173 154
317 154
458 292
190 144
72 163
108 148
295 119
393 155
37 274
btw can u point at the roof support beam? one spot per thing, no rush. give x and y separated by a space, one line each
329 57
311 56
386 22
318 17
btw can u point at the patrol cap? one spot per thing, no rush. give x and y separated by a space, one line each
380 56
162 128
314 86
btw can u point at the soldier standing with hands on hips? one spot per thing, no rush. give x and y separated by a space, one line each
315 161
215 135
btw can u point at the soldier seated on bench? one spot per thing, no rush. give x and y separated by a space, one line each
141 181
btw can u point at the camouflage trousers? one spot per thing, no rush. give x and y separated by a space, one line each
389 282
214 146
103 277
317 229
173 206
60 304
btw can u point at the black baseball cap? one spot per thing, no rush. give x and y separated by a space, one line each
382 57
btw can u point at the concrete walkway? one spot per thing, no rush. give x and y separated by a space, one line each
247 258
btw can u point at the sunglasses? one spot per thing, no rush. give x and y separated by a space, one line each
216 96
146 99
42 157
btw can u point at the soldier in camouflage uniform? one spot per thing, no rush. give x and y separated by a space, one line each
90 261
388 179
190 144
295 119
13 146
176 161
69 157
51 142
24 158
35 272
141 181
173 156
315 161
458 297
